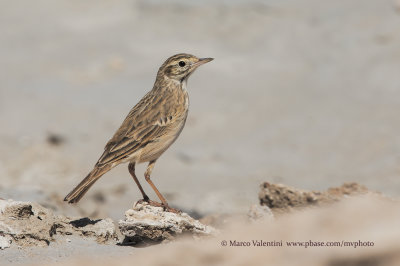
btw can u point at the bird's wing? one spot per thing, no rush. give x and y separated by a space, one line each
143 125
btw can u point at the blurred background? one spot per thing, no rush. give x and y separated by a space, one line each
301 92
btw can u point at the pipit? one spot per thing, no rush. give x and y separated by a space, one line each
152 125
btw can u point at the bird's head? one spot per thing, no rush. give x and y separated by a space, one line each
180 66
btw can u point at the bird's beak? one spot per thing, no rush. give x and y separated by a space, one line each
202 61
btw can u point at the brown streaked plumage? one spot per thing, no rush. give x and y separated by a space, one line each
150 127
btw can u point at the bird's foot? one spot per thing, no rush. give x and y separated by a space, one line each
149 202
170 209
156 204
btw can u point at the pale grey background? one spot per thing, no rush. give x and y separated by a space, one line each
301 92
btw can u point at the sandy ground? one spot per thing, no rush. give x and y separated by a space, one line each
361 230
376 234
301 92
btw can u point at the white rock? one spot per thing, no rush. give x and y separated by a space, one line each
146 223
5 241
30 224
258 212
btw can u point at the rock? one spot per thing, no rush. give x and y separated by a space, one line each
102 230
148 224
28 224
5 241
217 220
257 212
279 197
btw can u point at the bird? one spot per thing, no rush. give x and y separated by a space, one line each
149 129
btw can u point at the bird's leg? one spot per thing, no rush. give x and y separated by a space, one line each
160 196
131 168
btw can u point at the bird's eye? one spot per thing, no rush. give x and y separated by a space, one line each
182 63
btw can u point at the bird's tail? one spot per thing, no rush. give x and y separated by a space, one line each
77 193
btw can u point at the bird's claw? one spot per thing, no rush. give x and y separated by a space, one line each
156 204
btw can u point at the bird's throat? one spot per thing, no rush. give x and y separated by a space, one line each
183 84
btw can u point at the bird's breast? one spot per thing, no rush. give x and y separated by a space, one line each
172 123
